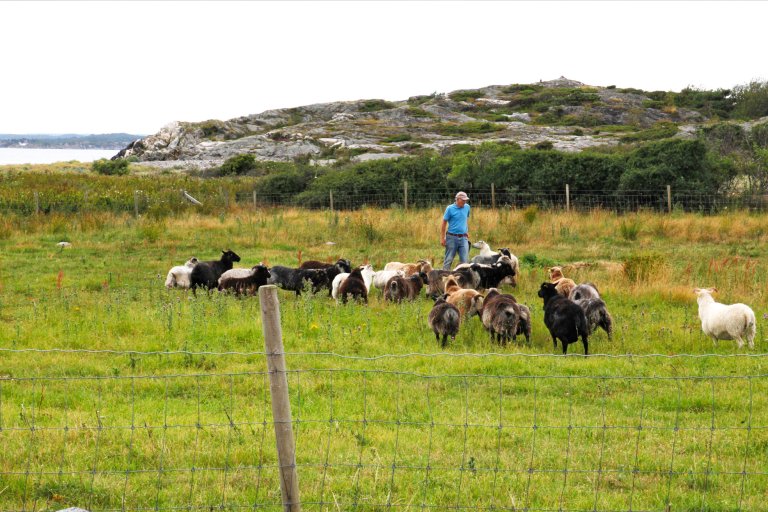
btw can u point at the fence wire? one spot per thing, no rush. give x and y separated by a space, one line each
373 439
167 202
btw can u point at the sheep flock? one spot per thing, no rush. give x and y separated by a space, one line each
572 311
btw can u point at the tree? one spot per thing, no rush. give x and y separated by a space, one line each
751 100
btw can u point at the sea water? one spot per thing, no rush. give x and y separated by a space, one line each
50 156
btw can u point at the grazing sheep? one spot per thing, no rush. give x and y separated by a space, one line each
332 269
500 316
563 284
399 288
725 321
469 301
564 318
436 285
488 276
381 277
294 279
247 285
409 268
486 256
178 276
588 298
342 263
584 291
444 319
597 315
354 285
367 274
206 273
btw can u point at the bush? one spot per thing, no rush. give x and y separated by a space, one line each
106 167
468 128
750 100
375 105
466 95
661 130
238 165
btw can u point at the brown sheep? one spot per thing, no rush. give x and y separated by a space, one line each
563 285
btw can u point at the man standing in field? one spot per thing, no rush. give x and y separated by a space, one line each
454 232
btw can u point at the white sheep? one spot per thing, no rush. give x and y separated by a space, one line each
178 276
381 277
725 322
367 273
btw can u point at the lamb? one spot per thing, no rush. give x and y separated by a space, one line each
399 288
468 301
367 275
563 284
588 298
500 316
381 277
564 318
294 279
725 322
444 319
206 273
178 276
247 285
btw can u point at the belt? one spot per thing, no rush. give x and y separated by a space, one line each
463 235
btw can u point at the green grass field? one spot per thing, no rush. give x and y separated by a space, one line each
116 394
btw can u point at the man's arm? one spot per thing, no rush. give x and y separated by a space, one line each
443 227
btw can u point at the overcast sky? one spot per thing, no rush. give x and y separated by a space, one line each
101 67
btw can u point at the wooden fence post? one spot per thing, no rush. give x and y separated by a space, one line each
254 198
281 405
493 197
135 203
331 194
567 198
405 195
37 202
669 199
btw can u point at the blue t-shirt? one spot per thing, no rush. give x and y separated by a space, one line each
457 218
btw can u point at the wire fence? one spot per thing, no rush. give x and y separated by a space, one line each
165 202
374 439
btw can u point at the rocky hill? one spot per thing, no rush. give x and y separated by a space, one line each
567 114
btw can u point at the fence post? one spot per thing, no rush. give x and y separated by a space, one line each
281 405
331 194
37 202
669 199
254 198
135 203
493 197
567 198
405 195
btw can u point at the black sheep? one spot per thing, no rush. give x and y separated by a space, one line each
564 318
354 285
331 269
294 279
206 274
246 285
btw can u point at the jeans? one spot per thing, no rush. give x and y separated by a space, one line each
454 244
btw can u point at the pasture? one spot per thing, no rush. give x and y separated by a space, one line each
117 394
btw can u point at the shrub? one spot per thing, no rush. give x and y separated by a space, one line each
544 144
375 105
401 137
106 167
751 100
759 135
661 130
238 165
466 95
468 128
